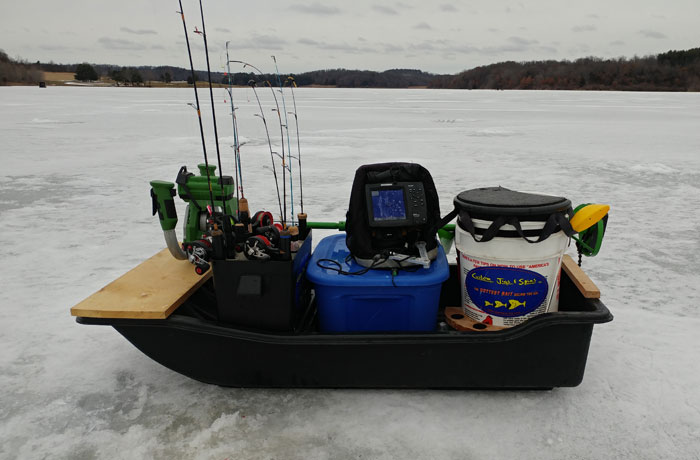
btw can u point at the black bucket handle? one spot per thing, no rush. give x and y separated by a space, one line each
550 226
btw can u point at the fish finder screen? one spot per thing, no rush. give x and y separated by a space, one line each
388 204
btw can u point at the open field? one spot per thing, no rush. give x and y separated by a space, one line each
59 76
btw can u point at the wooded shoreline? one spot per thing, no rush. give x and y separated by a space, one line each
670 71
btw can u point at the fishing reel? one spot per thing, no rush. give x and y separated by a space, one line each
258 247
262 219
199 253
225 236
263 244
270 240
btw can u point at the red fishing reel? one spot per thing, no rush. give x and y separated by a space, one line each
270 232
262 219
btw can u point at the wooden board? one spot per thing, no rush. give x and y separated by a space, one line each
457 320
580 279
151 290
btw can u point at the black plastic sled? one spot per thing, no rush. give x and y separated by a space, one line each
547 351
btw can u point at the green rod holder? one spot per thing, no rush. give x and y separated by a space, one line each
327 225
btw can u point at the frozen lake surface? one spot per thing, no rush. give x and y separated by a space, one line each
76 213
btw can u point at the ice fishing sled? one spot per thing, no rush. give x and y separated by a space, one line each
169 313
333 318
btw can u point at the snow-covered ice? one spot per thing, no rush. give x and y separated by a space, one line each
76 213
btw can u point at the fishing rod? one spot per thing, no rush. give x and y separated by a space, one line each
293 85
203 33
284 163
286 128
196 98
236 143
269 143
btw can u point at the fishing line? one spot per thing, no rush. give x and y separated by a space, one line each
269 143
286 128
213 110
293 85
236 143
284 163
196 98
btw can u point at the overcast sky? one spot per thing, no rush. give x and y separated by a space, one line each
440 37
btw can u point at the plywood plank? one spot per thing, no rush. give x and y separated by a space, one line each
580 279
151 290
457 320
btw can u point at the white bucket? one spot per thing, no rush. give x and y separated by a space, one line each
508 280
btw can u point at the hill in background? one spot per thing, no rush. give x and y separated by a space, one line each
670 71
17 72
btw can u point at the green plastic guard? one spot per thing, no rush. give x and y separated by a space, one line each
590 240
162 193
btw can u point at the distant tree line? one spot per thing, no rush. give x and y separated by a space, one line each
680 58
125 75
395 78
15 71
670 71
344 78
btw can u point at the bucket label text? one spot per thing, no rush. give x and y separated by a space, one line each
505 291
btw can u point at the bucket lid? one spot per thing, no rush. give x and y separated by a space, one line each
489 202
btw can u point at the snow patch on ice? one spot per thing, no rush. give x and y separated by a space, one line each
43 120
493 132
653 168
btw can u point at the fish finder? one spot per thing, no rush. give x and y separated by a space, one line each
398 204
